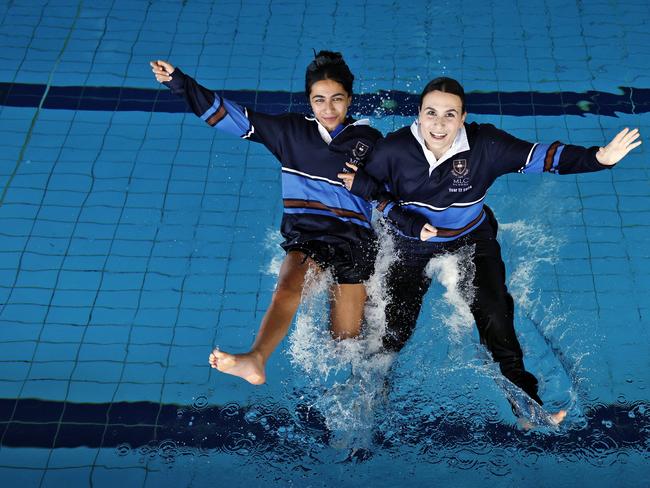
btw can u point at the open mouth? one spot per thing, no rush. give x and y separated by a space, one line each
436 136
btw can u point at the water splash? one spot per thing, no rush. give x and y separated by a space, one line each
272 246
558 361
455 272
346 378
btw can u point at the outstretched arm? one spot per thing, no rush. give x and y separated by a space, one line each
617 149
205 103
220 112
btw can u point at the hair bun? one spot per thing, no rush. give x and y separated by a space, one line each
327 57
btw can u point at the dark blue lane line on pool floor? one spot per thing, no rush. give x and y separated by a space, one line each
383 103
50 424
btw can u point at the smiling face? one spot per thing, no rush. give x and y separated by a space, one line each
441 116
330 103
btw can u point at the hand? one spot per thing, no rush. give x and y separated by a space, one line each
428 231
618 147
162 70
348 178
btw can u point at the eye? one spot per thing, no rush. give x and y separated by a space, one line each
430 113
451 115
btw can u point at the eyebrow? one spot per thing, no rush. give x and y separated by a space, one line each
446 111
331 96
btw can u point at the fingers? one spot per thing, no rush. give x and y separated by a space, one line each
618 137
631 136
353 167
428 231
168 67
631 146
161 70
626 136
347 178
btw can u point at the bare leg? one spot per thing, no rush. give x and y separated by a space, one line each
346 310
274 326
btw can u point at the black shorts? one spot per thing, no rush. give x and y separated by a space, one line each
350 264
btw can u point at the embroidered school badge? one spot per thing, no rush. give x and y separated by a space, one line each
459 167
359 153
360 150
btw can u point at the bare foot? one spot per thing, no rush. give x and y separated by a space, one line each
247 366
558 417
554 418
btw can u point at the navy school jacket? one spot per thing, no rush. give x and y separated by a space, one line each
317 205
451 196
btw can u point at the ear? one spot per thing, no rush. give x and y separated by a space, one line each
462 119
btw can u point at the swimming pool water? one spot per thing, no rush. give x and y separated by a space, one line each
133 239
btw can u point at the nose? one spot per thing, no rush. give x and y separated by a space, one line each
438 121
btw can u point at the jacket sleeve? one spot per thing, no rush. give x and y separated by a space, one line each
371 179
226 115
370 182
509 154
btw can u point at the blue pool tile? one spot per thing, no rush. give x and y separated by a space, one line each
57 373
607 250
185 355
160 333
131 247
10 389
144 373
56 352
73 298
202 301
109 332
51 384
16 371
175 266
188 336
24 313
122 281
107 478
200 318
153 299
157 281
118 264
74 315
148 353
19 226
79 280
134 392
117 299
84 263
77 476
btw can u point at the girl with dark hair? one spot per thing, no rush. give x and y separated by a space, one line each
439 171
324 226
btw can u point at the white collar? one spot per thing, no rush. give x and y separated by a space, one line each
460 144
324 133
